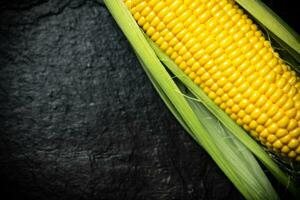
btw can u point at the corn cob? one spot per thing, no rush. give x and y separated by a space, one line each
216 44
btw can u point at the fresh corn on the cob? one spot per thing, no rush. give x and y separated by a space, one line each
223 51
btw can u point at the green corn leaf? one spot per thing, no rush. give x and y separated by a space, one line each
238 157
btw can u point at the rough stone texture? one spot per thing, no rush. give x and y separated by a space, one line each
79 118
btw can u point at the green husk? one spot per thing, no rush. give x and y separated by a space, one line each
228 144
241 167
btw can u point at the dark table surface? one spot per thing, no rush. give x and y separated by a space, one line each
80 120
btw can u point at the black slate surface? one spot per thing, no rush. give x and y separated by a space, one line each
80 120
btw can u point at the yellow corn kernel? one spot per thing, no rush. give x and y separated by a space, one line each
277 144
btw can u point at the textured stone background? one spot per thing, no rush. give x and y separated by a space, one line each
80 120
